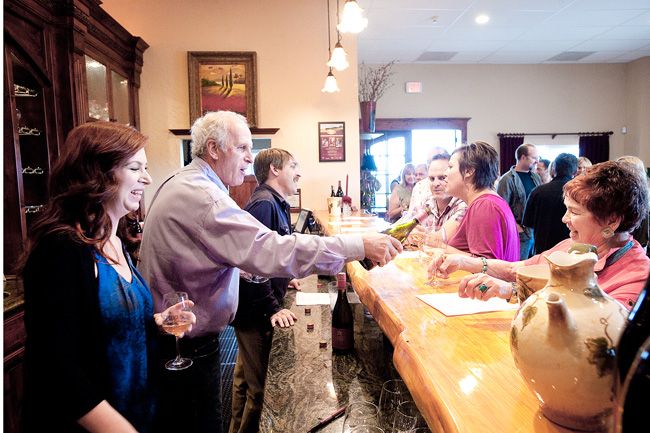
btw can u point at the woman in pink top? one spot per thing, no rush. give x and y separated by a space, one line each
488 228
603 207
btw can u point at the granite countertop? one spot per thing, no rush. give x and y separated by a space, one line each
306 382
13 294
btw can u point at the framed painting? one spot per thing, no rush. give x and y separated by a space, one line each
331 141
223 81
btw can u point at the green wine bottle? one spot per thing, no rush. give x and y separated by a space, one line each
400 231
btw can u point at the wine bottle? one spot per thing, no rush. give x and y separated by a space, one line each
332 194
339 191
636 331
342 319
400 231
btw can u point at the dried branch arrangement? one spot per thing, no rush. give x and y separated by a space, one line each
373 82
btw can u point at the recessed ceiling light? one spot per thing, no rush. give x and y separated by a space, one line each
482 19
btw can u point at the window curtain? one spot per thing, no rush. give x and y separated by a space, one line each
508 144
594 147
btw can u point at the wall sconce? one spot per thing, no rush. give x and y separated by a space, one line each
353 20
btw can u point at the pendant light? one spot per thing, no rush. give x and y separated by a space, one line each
338 60
353 20
330 85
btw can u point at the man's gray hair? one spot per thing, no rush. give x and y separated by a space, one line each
216 125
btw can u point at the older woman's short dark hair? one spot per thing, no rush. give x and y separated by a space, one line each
483 159
611 189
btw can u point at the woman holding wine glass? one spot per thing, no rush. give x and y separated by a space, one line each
89 318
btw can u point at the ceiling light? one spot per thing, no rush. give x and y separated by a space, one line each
352 20
339 59
482 19
330 85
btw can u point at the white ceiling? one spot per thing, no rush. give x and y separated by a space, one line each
519 31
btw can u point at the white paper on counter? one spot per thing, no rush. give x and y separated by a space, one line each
450 304
307 298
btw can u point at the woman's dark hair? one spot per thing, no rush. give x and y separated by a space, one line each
611 189
83 180
482 158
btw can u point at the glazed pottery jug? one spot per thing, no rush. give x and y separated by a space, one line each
563 340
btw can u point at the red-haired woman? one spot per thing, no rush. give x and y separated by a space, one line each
88 312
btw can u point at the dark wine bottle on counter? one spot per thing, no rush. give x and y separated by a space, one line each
339 190
635 333
332 188
342 319
400 231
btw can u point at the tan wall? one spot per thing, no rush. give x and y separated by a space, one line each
526 98
637 95
290 38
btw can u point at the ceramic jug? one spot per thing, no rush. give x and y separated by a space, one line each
563 340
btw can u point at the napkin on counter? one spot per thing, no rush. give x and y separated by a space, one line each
450 304
307 298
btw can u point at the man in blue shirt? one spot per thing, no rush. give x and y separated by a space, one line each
515 187
260 304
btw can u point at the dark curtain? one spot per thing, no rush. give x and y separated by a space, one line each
594 147
508 144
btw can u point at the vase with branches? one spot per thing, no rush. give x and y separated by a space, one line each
373 82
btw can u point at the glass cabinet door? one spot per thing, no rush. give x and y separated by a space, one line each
97 92
120 90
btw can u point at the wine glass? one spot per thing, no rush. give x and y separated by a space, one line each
434 245
393 392
367 429
362 413
176 322
406 417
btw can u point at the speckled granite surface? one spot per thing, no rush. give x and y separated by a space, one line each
306 382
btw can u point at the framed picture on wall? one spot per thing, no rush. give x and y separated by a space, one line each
223 81
331 141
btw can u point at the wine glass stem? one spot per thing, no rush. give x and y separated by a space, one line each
178 352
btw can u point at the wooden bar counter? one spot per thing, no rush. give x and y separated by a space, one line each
460 370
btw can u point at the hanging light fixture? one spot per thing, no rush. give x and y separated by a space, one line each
353 20
330 85
338 60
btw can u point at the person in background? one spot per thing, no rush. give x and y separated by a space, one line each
196 239
488 228
445 211
90 350
422 189
583 164
401 195
545 206
261 304
515 186
603 207
640 233
543 170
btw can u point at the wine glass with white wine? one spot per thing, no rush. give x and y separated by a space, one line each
433 246
177 321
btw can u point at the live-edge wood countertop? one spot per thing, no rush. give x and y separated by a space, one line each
460 370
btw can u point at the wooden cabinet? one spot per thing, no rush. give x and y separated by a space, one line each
242 193
66 62
14 352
